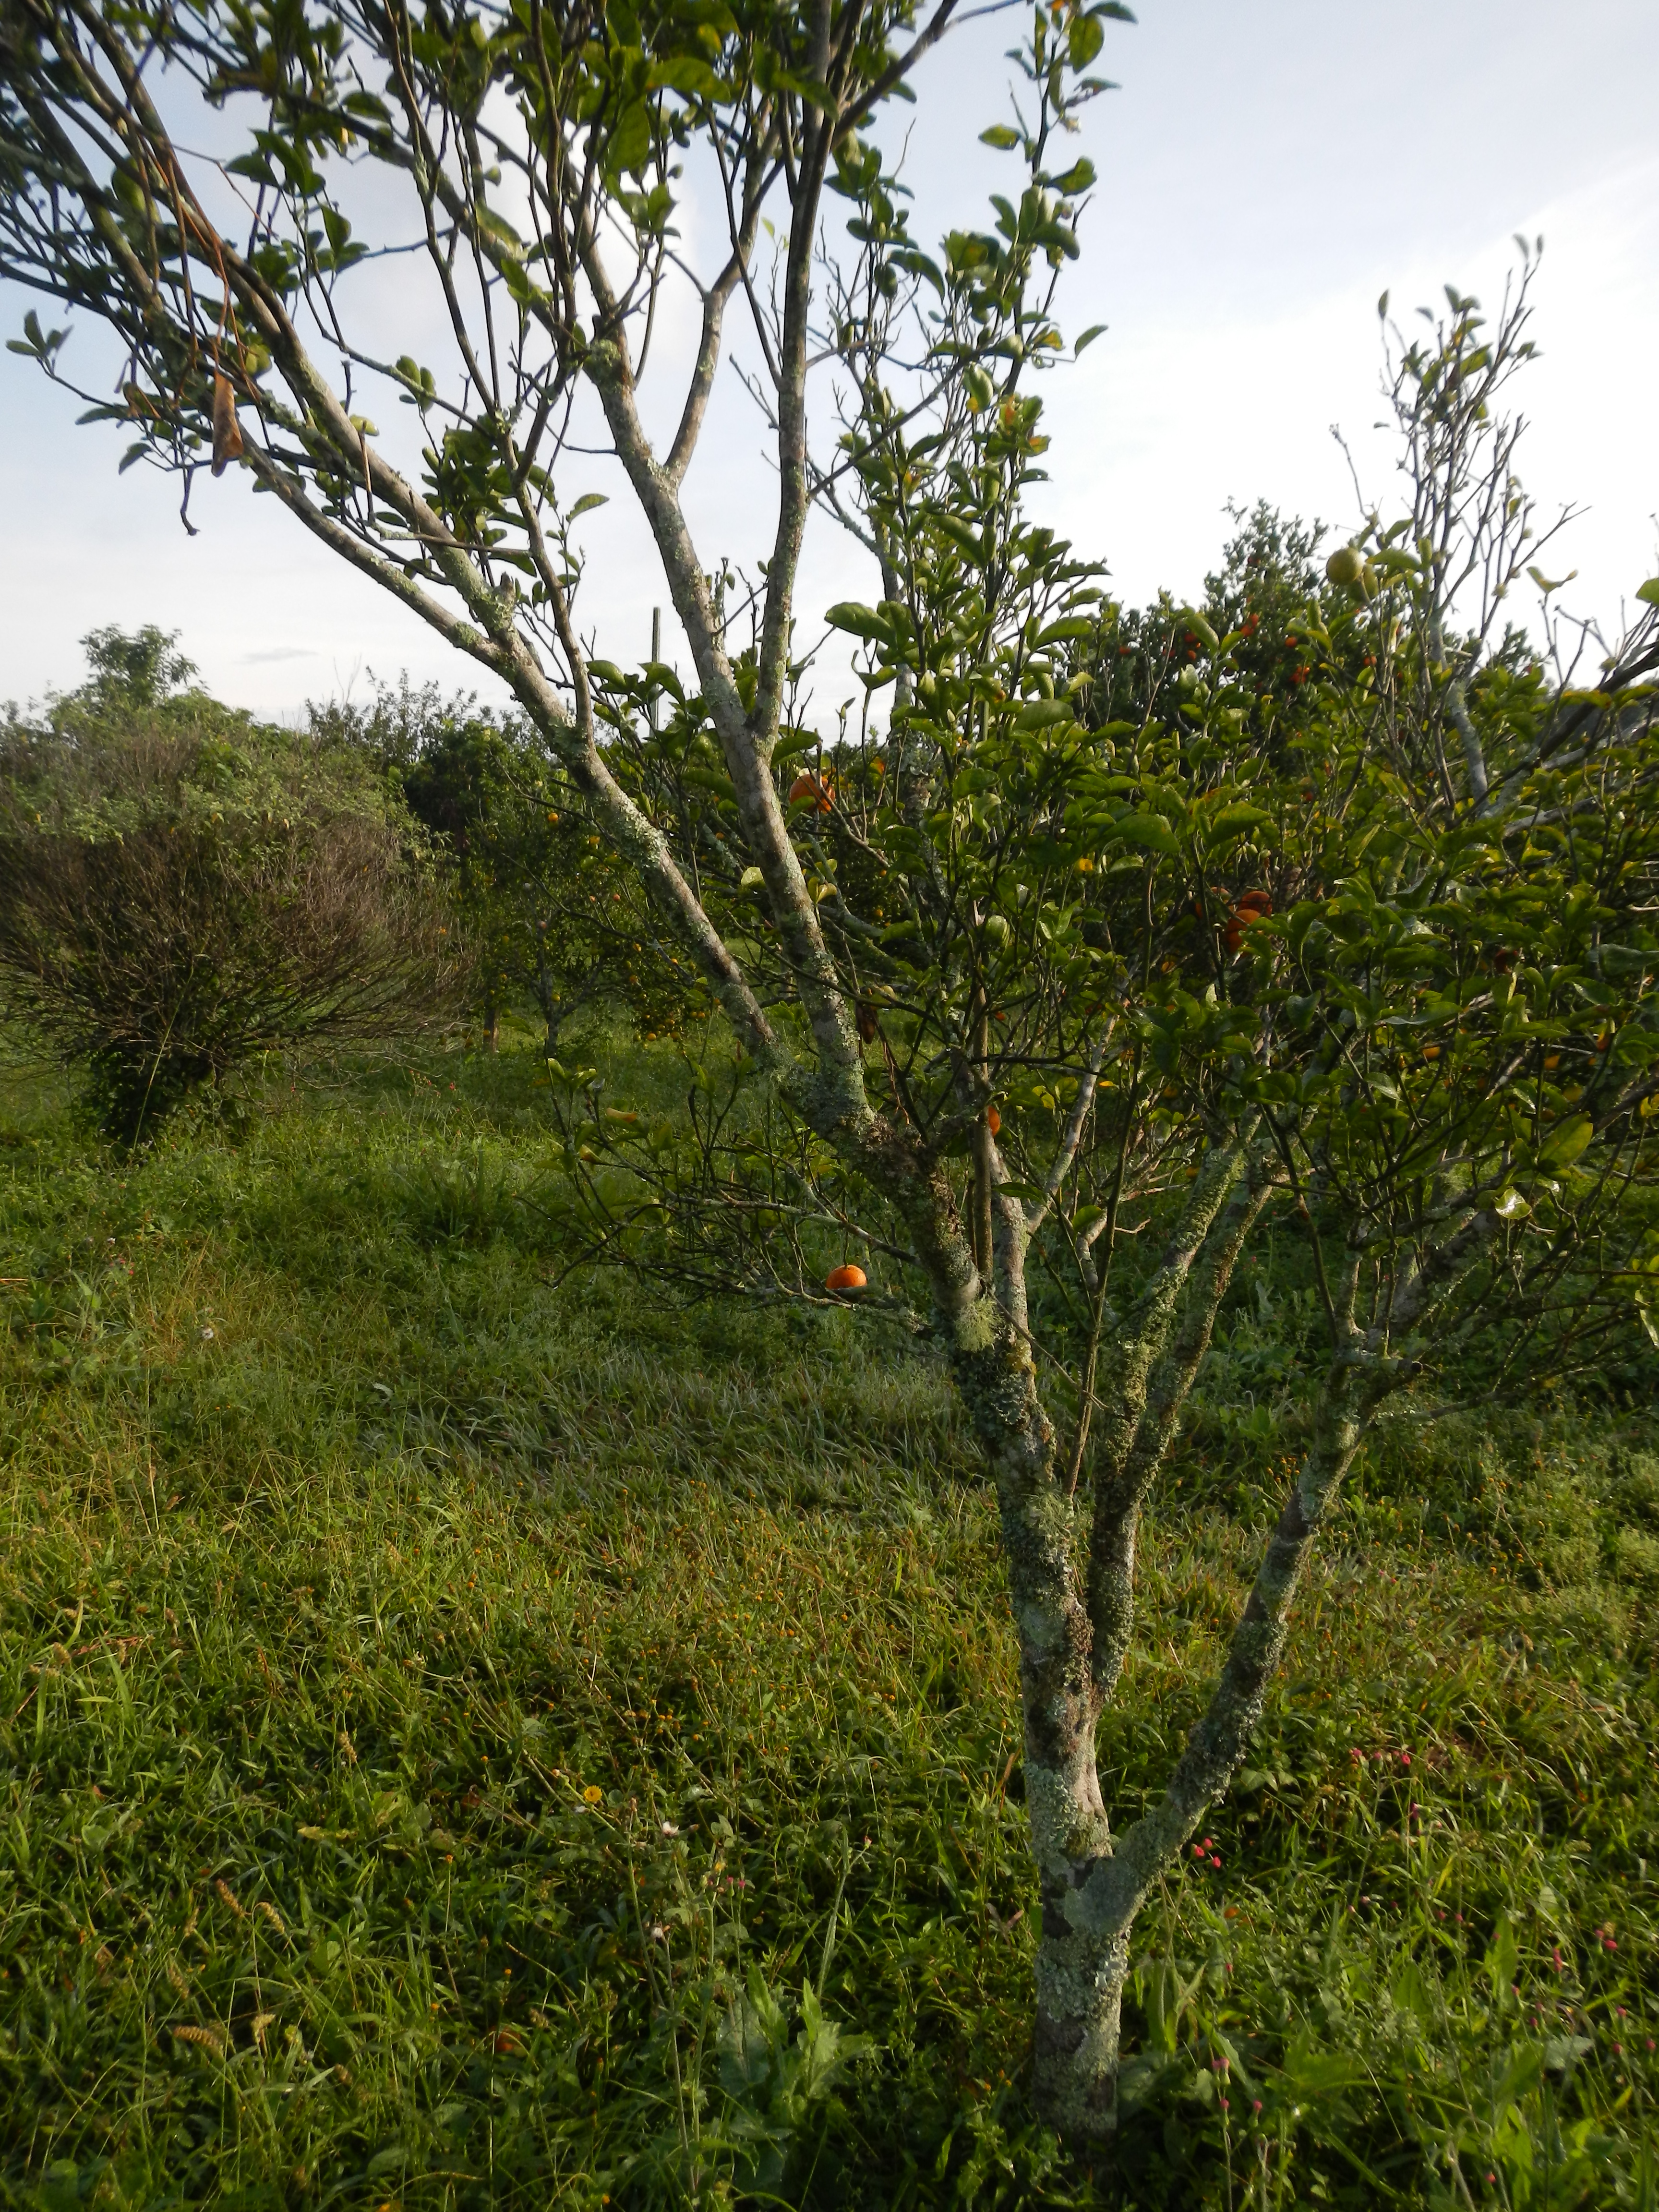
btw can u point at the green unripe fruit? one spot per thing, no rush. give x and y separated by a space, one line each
996 928
1346 566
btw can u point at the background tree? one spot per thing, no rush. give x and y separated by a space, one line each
181 890
551 920
989 900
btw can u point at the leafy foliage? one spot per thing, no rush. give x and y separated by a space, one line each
552 919
181 891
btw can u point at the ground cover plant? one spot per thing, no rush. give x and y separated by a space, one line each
473 1737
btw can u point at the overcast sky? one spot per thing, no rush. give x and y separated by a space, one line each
1267 169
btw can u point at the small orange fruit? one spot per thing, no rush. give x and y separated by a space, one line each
848 1278
807 786
992 1121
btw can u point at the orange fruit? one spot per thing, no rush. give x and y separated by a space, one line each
847 1278
807 787
993 1119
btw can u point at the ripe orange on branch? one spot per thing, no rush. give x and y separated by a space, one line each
848 1278
807 786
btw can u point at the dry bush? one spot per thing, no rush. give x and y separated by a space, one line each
180 893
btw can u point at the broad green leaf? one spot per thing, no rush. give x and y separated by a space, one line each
1233 820
1044 714
686 73
1568 1141
862 621
1149 830
1084 40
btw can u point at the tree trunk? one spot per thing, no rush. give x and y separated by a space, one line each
1089 1913
1080 1973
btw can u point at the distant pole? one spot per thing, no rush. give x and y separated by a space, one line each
656 655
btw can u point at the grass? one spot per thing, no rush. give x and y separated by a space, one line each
471 1740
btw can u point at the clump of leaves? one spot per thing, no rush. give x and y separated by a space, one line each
181 890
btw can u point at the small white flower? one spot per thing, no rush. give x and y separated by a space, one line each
669 1829
207 1332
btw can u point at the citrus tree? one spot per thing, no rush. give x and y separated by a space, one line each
1036 989
551 920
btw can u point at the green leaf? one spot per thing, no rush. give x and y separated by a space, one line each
1568 1141
1084 40
862 621
683 73
1502 1957
587 502
630 142
1044 714
1088 338
1001 137
1151 830
1232 821
1649 592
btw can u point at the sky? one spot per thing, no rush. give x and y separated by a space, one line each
1267 169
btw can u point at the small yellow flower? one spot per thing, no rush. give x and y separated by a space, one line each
592 1794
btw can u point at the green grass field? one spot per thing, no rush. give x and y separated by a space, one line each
473 1736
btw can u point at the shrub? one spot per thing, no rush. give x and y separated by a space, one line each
181 890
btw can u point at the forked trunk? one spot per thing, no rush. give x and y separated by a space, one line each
1092 1884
